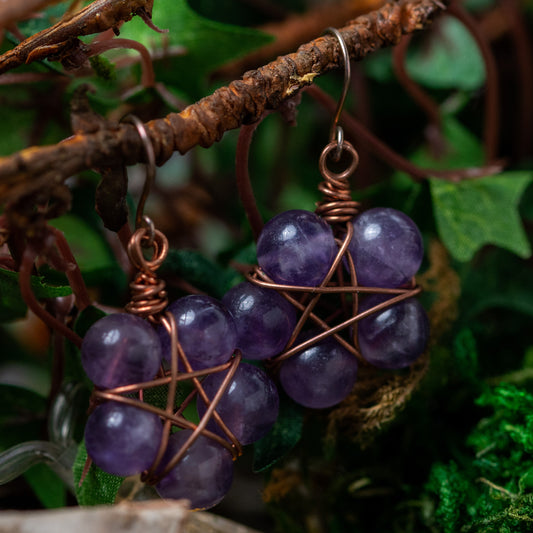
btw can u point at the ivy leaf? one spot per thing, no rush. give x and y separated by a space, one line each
450 60
98 487
199 271
447 58
207 44
463 149
473 213
12 305
282 438
88 246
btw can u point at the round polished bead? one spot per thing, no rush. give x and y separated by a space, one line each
394 337
120 349
206 331
122 439
296 248
204 474
386 248
249 406
263 318
320 376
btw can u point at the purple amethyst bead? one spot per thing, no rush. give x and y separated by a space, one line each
206 331
394 337
386 248
296 248
320 376
122 439
204 474
249 406
263 318
120 349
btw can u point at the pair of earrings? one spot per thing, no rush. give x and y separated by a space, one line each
333 290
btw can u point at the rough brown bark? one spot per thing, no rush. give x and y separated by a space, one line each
203 123
61 38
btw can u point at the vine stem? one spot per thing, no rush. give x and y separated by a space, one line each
72 271
242 102
26 266
148 75
421 97
492 95
242 175
388 155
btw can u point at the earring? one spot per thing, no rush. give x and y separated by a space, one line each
349 276
332 294
156 345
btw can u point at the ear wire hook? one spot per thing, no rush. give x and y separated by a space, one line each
150 175
337 206
336 131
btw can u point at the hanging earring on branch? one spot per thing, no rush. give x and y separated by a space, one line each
194 341
348 277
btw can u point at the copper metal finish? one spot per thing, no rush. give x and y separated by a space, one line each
338 209
337 206
149 300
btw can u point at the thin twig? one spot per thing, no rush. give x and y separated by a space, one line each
26 267
492 91
98 16
242 102
242 176
389 156
148 76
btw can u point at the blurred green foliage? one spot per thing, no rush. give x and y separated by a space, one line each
458 458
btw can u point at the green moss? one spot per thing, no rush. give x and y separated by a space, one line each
492 489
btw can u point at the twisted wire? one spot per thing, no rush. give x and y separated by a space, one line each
149 300
337 207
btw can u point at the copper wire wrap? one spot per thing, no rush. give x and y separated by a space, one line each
149 300
148 294
337 206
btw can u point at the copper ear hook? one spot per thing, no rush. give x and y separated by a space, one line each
336 131
150 175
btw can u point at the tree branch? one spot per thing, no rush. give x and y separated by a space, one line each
97 17
204 123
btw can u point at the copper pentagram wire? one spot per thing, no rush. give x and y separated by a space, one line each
338 209
149 301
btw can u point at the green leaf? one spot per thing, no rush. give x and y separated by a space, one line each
450 60
47 18
282 438
73 368
87 318
463 149
483 288
88 246
199 271
21 414
98 487
48 487
446 58
482 211
12 305
207 44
